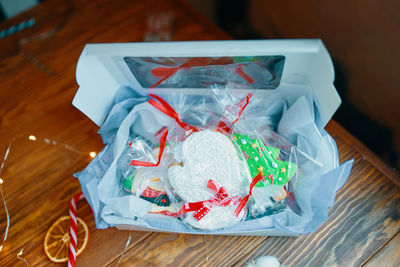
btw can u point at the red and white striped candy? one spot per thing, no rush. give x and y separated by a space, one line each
73 229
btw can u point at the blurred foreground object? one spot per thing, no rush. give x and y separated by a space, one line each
264 261
159 27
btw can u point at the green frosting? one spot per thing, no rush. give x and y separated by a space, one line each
128 182
264 159
245 59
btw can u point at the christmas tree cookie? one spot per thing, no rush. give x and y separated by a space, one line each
264 159
269 194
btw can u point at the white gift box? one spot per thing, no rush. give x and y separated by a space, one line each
102 70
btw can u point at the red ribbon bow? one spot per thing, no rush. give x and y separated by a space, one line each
166 72
222 127
164 107
243 202
163 141
201 208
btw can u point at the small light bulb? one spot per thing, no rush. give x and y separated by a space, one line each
1 247
92 154
1 182
32 137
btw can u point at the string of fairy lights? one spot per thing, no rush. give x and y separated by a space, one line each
2 194
3 180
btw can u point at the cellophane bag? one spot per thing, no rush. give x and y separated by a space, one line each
146 181
216 175
209 179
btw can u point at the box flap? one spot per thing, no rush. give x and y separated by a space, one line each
103 68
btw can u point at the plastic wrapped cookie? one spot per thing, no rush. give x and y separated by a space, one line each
209 180
269 194
146 182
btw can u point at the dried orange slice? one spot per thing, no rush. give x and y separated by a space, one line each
56 242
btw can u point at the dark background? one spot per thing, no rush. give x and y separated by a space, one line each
362 37
364 42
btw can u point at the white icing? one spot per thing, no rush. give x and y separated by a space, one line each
208 155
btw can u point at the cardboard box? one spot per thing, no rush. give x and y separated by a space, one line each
102 69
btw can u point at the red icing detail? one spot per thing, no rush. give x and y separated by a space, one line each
271 177
152 193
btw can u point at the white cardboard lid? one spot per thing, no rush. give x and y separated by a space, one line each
101 71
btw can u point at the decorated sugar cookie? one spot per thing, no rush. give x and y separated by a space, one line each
268 195
147 183
264 159
210 180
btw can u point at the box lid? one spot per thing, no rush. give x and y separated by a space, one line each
103 68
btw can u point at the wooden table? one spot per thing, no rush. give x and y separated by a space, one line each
37 80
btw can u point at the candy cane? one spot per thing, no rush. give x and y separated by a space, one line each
73 229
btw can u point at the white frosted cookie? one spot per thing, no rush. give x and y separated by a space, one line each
208 155
144 179
148 184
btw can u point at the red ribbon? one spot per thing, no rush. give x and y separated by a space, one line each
166 72
164 107
243 202
246 101
244 75
225 129
163 141
201 208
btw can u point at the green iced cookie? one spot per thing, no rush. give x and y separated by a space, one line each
261 158
128 182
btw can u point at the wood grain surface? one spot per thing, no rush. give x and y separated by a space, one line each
37 79
364 219
389 255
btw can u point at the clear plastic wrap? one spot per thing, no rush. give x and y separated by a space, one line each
146 181
206 72
272 166
221 171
